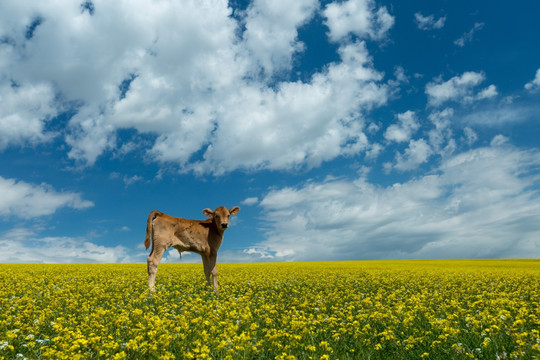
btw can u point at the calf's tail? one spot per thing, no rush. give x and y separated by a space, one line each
149 227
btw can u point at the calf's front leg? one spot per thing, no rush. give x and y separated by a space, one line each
210 268
212 261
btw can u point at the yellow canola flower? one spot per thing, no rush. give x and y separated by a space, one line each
484 309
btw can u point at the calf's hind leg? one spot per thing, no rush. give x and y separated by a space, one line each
153 261
212 260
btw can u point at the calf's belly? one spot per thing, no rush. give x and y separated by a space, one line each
182 245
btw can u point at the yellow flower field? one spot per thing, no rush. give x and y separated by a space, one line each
479 309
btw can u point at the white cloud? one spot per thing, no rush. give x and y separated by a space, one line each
374 151
232 256
470 135
19 234
399 73
358 17
186 75
271 31
416 154
27 247
173 54
263 254
173 256
130 180
459 88
24 111
480 203
487 93
91 134
24 200
407 126
442 131
535 83
499 140
500 114
298 124
429 22
468 36
250 201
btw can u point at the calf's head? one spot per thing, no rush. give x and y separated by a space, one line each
220 216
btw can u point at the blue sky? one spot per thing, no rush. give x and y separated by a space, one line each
344 130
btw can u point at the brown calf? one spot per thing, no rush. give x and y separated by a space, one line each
203 237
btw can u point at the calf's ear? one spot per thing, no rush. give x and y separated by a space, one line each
234 210
208 212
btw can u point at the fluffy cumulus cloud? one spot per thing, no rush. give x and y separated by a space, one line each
440 139
487 93
358 17
197 80
460 88
25 110
402 131
271 35
416 154
298 124
24 200
481 203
